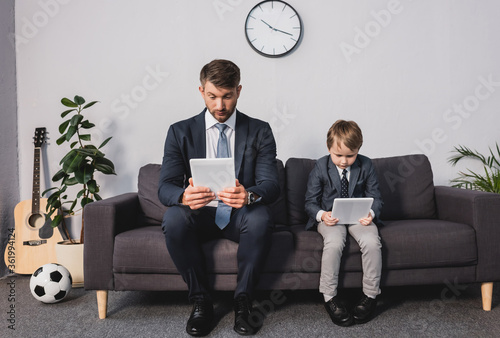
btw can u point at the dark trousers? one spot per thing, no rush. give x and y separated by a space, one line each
186 230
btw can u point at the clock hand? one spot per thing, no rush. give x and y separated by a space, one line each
282 32
275 29
267 24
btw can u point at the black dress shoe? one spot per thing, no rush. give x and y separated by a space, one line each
201 318
364 310
338 313
242 312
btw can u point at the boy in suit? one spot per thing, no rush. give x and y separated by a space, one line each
345 173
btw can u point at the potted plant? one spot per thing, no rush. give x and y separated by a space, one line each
78 169
489 181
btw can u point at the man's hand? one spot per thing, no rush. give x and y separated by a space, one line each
236 197
328 219
197 197
366 220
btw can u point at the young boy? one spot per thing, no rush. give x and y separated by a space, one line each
344 173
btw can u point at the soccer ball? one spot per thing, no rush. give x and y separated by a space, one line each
50 283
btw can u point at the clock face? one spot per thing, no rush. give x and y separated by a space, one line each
273 28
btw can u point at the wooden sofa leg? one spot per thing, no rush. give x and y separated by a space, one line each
487 294
102 303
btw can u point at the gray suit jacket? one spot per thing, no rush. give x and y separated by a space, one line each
324 186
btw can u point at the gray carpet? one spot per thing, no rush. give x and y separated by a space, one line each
431 311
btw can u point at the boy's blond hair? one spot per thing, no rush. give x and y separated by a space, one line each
346 132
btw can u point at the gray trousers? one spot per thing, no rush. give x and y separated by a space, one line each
334 238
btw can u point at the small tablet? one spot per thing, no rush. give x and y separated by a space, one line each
214 173
351 210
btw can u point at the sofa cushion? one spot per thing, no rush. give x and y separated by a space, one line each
406 186
153 209
130 255
408 244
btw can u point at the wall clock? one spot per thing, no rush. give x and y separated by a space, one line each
273 28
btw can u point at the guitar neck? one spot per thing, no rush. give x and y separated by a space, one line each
35 200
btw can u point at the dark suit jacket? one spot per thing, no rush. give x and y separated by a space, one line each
254 158
324 186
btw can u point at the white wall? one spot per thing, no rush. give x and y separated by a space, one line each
404 82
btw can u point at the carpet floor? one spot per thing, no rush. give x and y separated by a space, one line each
449 310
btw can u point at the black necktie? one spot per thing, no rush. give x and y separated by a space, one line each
344 185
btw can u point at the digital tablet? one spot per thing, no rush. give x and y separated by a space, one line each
351 210
214 173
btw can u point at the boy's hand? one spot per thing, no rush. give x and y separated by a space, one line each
235 197
328 219
366 220
197 197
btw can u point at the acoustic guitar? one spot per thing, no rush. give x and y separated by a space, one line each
32 243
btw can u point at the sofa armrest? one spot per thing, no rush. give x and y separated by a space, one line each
103 221
481 210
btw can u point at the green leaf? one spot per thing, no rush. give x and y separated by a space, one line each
84 173
61 140
92 186
73 144
97 197
59 175
88 105
71 161
70 181
71 132
76 119
68 103
63 126
85 137
80 193
105 142
87 125
105 166
79 100
86 201
56 221
66 112
47 190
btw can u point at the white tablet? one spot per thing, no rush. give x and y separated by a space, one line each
351 210
214 173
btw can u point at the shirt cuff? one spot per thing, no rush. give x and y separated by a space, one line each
319 215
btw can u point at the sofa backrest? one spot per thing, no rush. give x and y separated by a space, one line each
406 185
153 209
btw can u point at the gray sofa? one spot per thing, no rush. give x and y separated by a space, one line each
431 235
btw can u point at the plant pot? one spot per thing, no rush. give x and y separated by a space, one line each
70 255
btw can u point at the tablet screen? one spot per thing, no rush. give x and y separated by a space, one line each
351 210
214 173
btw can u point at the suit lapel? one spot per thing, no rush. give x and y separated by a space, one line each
200 143
240 141
334 175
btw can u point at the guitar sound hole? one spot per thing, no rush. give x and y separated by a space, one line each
36 221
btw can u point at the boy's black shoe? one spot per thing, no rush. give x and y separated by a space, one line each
338 312
364 310
201 319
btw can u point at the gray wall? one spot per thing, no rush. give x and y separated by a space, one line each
9 181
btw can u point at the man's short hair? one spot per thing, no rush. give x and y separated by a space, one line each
346 132
222 73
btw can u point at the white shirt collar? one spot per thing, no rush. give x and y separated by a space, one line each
341 170
210 121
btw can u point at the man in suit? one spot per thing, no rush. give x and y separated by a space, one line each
193 216
346 174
